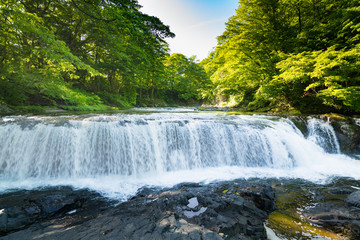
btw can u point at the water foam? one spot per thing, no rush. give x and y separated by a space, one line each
117 154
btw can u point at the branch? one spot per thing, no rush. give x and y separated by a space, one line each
89 15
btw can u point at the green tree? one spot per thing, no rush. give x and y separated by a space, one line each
185 77
52 48
289 53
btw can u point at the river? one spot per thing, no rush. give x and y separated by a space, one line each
118 153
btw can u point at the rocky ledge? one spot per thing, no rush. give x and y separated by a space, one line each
338 210
235 210
306 210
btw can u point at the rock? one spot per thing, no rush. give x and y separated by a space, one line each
340 220
187 211
22 208
262 196
3 220
301 123
353 200
348 135
337 213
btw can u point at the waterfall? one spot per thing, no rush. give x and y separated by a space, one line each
322 133
164 148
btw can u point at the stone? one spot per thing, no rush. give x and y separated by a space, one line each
353 199
335 212
153 214
348 135
3 220
23 208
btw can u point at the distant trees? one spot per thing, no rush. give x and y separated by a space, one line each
293 54
185 77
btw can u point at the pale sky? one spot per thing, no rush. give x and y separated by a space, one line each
196 23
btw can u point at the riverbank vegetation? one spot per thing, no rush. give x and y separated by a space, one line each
87 55
275 55
290 54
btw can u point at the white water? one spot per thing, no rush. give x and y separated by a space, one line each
117 154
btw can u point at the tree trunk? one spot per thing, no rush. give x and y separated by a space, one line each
299 16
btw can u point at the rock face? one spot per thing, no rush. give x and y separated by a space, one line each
338 210
348 134
347 131
235 210
23 208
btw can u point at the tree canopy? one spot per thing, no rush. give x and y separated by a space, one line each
290 54
80 53
282 55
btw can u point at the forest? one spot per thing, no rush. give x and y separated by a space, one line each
290 55
300 56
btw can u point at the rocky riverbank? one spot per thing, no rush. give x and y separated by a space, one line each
187 211
306 210
227 210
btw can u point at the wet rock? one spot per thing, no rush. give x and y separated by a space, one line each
23 208
337 210
353 200
301 123
348 135
189 211
3 220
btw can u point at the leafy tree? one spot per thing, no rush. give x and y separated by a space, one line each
292 53
51 48
186 78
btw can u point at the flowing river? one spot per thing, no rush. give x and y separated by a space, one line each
116 154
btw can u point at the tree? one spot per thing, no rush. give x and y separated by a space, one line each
185 77
51 48
291 53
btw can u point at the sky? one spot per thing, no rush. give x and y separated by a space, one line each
196 23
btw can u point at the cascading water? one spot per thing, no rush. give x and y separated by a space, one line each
321 133
116 154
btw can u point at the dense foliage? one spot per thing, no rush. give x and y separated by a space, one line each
80 54
290 54
300 55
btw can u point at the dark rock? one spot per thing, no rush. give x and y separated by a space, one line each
301 123
22 208
3 220
262 196
189 211
348 135
353 200
337 210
